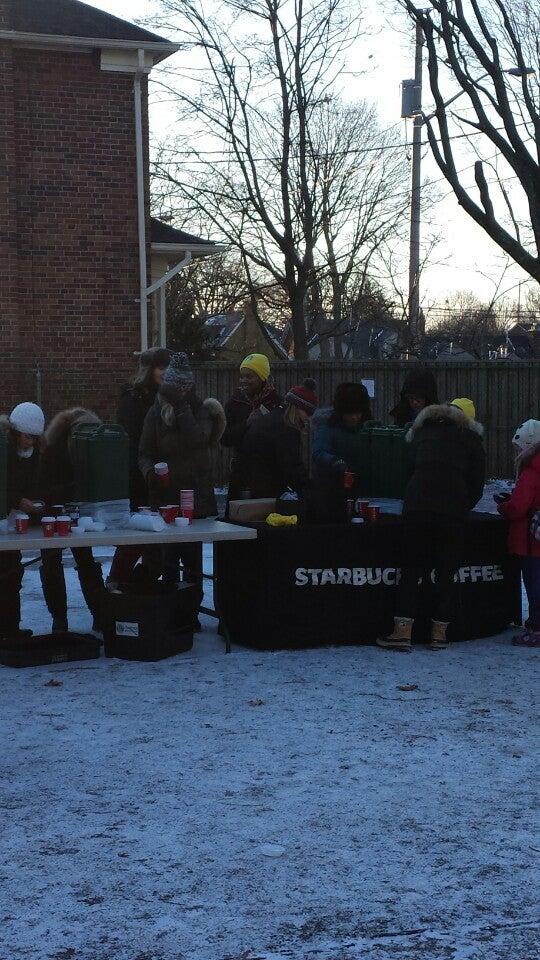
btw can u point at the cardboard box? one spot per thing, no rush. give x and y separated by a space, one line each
245 511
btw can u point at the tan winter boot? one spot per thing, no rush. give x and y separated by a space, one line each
400 638
439 639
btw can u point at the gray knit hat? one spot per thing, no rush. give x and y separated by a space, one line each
179 370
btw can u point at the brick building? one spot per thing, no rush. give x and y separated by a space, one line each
75 241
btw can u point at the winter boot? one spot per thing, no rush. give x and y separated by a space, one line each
531 638
439 640
400 638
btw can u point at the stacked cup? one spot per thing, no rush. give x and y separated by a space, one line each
162 470
187 504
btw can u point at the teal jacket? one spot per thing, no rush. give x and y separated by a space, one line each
334 444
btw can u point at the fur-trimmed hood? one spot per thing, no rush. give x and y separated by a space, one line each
213 408
62 424
219 420
5 425
445 412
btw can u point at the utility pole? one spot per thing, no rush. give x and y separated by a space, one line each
414 236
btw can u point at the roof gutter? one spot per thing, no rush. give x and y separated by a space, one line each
193 248
165 48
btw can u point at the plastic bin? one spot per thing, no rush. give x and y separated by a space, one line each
100 456
3 473
150 625
43 649
391 462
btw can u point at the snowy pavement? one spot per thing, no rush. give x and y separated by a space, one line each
270 806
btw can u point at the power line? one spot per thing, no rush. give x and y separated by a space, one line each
220 156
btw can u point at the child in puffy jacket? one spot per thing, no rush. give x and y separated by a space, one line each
520 510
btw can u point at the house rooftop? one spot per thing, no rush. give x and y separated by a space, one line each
71 18
163 233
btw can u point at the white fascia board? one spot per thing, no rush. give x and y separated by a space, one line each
125 61
195 249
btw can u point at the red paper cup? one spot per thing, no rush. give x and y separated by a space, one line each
348 479
188 513
47 526
175 510
187 498
168 513
63 526
363 508
21 523
374 512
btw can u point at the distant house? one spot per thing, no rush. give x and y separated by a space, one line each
233 335
365 341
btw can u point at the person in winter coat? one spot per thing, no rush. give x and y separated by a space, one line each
255 397
57 485
520 509
337 445
447 482
419 391
135 401
272 453
181 430
23 427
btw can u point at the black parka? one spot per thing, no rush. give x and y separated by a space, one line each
134 404
22 476
449 464
272 457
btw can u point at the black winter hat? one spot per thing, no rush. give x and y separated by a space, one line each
351 398
421 384
155 357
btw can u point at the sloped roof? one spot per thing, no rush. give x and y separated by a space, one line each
72 18
163 233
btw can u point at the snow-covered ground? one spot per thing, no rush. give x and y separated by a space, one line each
269 806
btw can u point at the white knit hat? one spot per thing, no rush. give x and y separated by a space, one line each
28 418
527 435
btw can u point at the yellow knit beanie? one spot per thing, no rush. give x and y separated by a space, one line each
258 363
466 406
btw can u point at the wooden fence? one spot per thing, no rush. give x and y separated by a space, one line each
505 393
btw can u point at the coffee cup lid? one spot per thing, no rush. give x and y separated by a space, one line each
48 519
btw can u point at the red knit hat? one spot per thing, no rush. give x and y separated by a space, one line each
303 396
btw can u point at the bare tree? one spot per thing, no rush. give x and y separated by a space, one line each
490 49
361 203
268 147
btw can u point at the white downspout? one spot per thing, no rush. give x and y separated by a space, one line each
141 211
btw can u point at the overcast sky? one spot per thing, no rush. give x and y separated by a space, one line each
470 260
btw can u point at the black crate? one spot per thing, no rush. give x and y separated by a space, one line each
151 625
43 649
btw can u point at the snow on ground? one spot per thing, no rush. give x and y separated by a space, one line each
269 806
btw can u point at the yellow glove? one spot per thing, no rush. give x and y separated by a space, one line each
277 520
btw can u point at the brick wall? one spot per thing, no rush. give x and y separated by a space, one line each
68 229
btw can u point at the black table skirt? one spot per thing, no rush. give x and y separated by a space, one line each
312 585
